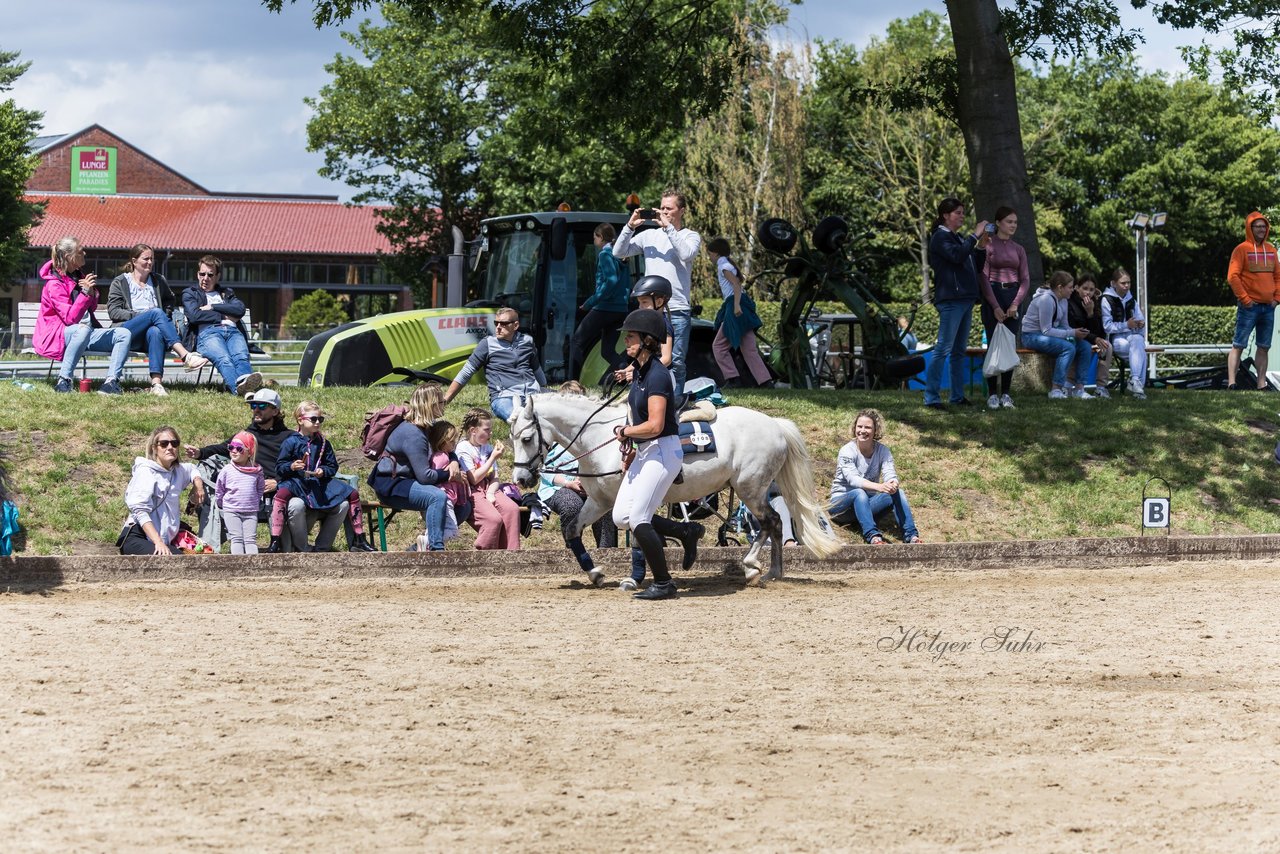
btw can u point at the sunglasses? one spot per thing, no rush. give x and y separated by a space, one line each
167 443
236 447
205 275
257 406
505 322
314 419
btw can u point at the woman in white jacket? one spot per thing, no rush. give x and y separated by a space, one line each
153 496
1044 328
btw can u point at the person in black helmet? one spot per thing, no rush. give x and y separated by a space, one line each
652 292
658 456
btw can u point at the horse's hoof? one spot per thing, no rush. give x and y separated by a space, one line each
751 562
753 576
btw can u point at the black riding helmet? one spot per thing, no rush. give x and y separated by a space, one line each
647 321
655 286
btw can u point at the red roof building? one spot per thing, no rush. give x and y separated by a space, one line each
110 195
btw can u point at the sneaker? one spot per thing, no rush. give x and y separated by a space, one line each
877 540
194 361
63 386
248 384
1078 393
692 533
1057 394
628 585
993 402
596 577
1006 402
1232 387
666 590
964 401
914 540
158 390
424 545
1101 391
110 387
1137 390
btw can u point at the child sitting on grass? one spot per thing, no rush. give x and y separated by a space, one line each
443 437
306 468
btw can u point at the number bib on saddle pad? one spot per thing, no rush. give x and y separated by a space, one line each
696 438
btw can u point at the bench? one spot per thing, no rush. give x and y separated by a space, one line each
1040 378
384 515
29 312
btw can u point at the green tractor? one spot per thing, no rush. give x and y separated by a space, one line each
541 264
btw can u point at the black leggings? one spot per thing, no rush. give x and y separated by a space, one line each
1004 296
136 543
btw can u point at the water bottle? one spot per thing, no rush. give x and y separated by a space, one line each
984 337
22 384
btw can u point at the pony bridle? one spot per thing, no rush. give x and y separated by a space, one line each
538 462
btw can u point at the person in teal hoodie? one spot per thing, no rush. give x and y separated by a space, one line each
606 308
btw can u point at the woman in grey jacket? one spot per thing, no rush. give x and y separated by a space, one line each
1044 328
140 300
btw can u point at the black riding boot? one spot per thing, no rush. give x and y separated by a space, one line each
651 544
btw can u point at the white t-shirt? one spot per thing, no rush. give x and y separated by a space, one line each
471 458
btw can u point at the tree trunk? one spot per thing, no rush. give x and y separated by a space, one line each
988 114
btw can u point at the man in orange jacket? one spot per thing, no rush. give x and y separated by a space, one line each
1254 276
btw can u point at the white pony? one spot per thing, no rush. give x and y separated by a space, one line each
752 451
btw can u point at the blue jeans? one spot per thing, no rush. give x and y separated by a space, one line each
152 331
1257 316
1064 351
867 507
501 407
227 349
431 502
682 323
80 337
954 319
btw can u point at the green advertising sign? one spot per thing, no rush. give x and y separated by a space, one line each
93 170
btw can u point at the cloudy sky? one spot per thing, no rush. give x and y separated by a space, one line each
214 88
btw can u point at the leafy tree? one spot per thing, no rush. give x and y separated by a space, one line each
314 312
743 163
885 167
1123 141
17 163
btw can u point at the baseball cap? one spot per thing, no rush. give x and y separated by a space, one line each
263 395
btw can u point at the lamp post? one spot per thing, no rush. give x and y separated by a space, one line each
1140 225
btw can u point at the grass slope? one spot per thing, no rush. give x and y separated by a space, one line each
1048 469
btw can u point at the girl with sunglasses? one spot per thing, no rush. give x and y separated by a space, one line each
306 468
238 494
153 493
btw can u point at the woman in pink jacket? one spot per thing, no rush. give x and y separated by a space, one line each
66 327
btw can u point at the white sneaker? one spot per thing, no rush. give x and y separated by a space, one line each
1078 393
1057 394
424 545
158 390
1006 401
1101 391
627 585
993 402
1136 389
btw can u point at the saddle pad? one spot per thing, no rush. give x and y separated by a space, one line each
696 438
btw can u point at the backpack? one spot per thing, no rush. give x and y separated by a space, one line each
377 430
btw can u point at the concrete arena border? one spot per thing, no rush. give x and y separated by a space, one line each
30 573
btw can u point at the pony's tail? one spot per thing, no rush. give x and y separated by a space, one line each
813 528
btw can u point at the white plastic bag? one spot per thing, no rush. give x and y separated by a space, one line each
1002 352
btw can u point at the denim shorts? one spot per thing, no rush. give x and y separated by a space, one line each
1257 316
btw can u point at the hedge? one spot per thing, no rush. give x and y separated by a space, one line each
1170 324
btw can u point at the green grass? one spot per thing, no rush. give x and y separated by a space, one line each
1048 469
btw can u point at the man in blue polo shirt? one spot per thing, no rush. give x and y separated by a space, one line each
511 367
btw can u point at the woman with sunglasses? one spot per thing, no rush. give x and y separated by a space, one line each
153 496
306 468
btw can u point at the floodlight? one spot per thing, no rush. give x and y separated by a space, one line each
1159 219
1139 221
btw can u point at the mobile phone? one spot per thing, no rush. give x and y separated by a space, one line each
648 213
991 228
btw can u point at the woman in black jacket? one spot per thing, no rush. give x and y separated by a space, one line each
955 260
1084 311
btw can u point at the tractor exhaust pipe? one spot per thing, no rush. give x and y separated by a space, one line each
457 271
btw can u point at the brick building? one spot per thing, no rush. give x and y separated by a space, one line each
111 195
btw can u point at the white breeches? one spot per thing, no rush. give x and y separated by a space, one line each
1134 347
644 488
